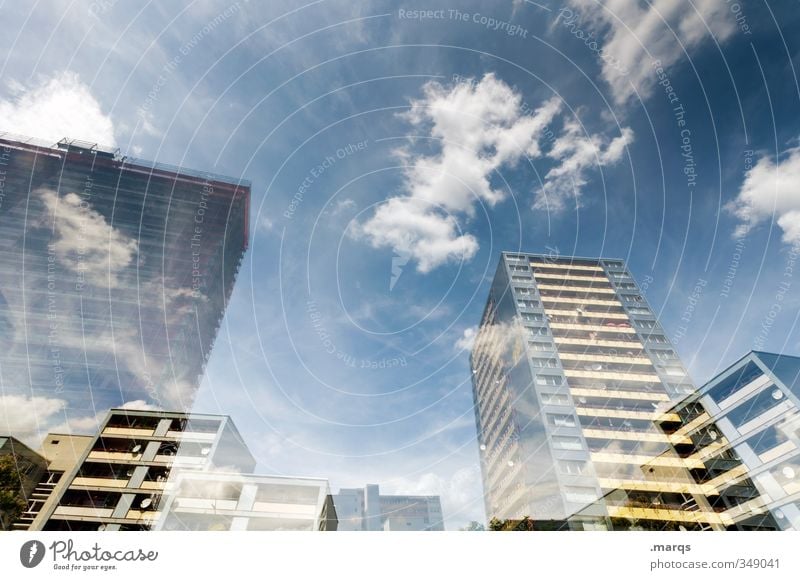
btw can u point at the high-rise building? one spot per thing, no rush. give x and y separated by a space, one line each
367 510
114 274
572 375
745 426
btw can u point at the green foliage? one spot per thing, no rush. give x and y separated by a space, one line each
474 526
12 502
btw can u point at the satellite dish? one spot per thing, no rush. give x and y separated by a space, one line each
777 394
597 367
146 503
483 447
101 528
788 472
713 435
136 448
129 473
205 451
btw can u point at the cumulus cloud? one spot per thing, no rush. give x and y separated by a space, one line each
467 339
636 33
479 128
85 242
62 106
770 191
576 153
28 418
90 424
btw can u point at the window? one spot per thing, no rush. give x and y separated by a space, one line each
548 380
738 379
523 291
656 338
645 324
544 362
755 406
640 311
552 399
527 303
520 278
577 494
540 346
532 317
559 420
767 439
566 443
632 298
571 467
538 331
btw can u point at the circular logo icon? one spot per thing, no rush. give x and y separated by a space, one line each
31 553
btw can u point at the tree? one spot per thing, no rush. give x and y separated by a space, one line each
12 502
473 526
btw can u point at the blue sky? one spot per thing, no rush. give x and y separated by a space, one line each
395 148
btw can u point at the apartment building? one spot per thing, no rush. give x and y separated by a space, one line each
572 374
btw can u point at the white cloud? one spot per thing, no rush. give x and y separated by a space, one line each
636 33
62 106
771 191
467 339
462 500
576 153
86 243
28 418
480 128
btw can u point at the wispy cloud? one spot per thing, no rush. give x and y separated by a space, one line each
62 106
577 153
769 191
637 33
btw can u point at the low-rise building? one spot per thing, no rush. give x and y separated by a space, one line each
367 510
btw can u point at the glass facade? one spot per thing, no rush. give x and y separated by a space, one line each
572 380
114 274
746 424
